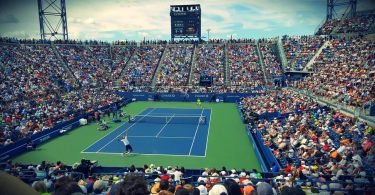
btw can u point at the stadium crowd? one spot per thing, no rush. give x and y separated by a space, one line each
86 67
245 70
21 119
322 145
175 69
283 102
344 72
311 141
209 62
300 49
271 61
121 55
141 68
328 27
30 71
359 23
305 179
317 148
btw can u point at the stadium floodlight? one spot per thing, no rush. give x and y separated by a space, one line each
333 6
52 19
208 35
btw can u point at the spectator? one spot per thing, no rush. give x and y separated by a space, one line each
132 185
175 69
300 50
40 187
271 62
338 75
232 187
99 187
218 189
141 67
244 67
209 62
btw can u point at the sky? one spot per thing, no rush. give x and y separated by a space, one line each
110 20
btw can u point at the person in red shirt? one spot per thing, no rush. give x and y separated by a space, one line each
8 120
326 146
288 169
165 176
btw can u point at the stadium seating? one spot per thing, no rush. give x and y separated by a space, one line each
140 70
283 102
121 55
313 138
271 61
300 49
344 72
209 61
245 70
87 68
25 118
89 179
357 24
30 71
175 69
315 146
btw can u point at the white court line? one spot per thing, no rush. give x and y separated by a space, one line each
114 153
183 108
166 114
148 136
208 133
157 135
106 135
196 130
125 131
176 137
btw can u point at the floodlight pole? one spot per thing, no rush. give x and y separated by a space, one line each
48 11
332 5
208 35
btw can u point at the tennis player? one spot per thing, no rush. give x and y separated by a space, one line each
128 147
199 103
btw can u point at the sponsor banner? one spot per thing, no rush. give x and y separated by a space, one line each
138 96
235 97
190 97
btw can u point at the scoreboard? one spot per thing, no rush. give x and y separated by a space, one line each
185 21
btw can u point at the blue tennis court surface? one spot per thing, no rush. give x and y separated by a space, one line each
172 131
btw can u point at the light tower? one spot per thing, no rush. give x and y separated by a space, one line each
208 35
334 5
52 19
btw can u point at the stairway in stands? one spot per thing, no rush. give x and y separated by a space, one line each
122 74
311 62
226 67
64 62
282 56
160 64
192 64
260 58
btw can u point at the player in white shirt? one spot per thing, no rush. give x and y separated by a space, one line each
128 147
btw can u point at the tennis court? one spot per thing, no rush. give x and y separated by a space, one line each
224 142
160 131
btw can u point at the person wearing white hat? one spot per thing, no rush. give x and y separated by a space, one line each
202 190
218 189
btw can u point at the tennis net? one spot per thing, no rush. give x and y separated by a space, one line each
168 119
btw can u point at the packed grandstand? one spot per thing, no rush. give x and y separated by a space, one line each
317 147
